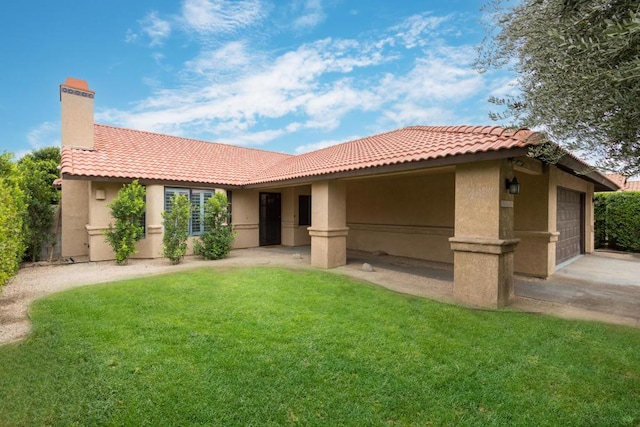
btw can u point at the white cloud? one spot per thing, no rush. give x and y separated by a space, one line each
44 135
417 29
221 16
155 28
503 86
231 57
409 113
442 77
312 15
326 110
239 96
245 95
131 36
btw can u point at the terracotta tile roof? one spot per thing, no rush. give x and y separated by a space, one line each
131 154
619 180
632 186
410 144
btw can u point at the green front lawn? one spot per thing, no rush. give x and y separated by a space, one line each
266 346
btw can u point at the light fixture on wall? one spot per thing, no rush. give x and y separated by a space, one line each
513 186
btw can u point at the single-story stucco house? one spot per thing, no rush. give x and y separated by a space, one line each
434 193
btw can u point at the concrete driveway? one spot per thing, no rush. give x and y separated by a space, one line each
602 282
601 286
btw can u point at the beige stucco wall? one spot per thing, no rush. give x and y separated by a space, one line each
101 194
292 233
246 218
405 215
535 219
535 255
99 218
75 217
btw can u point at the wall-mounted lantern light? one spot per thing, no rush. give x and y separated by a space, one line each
513 186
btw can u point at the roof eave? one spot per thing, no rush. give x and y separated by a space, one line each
395 168
152 181
572 165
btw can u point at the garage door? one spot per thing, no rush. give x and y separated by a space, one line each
570 224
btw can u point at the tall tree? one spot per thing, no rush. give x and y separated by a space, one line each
39 169
578 73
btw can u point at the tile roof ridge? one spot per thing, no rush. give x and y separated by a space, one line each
192 139
477 129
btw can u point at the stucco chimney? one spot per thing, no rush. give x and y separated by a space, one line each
77 114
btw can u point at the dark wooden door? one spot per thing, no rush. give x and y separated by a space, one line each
270 219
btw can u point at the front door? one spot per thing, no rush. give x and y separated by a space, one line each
270 219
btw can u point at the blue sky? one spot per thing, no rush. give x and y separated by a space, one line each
286 75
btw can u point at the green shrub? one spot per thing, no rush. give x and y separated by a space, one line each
617 220
217 238
12 209
176 228
623 221
127 209
37 186
11 242
600 219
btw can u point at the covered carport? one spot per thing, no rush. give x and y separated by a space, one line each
466 195
463 195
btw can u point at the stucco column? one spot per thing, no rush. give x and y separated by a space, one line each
155 228
328 229
483 242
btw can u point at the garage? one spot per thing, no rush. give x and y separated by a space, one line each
570 225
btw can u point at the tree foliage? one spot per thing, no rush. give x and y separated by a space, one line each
39 169
11 214
127 210
617 220
176 228
217 238
578 73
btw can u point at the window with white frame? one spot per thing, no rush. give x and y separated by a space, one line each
198 198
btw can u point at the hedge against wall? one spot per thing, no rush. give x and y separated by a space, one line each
617 221
11 242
